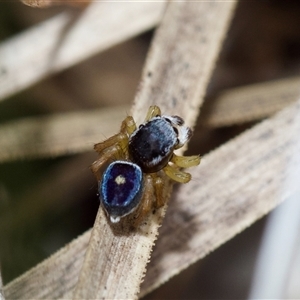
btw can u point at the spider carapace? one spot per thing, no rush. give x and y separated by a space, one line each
139 159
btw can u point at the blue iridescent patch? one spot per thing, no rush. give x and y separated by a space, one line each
120 189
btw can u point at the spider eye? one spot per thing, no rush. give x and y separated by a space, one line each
120 189
176 131
178 120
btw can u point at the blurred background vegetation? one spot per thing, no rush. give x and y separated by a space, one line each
45 203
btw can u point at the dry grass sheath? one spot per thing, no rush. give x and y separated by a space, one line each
164 77
62 37
235 185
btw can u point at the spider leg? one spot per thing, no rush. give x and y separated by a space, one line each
159 191
186 161
105 156
153 111
127 128
177 175
146 201
115 139
128 125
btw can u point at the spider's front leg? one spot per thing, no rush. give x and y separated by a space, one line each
153 111
128 126
183 162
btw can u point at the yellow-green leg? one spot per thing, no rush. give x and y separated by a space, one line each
121 139
159 191
146 201
107 154
176 174
186 161
128 125
153 111
116 139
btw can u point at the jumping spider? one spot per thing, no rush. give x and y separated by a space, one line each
139 159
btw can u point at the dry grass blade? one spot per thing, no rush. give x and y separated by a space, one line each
58 134
234 186
47 3
61 39
177 81
178 68
239 183
278 261
54 278
250 103
76 132
205 214
61 177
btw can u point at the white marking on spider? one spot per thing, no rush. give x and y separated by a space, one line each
120 179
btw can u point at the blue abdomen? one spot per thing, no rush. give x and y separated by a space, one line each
120 189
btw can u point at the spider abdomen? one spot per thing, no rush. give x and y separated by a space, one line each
120 189
151 145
